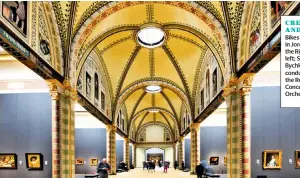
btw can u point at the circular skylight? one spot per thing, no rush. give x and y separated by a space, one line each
153 110
153 89
151 37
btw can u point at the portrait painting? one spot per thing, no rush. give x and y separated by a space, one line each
94 161
225 160
96 80
277 9
15 12
214 160
79 161
8 161
202 99
214 81
88 85
34 161
272 159
297 159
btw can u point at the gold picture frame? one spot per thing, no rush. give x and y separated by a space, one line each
297 159
225 160
79 161
272 159
94 161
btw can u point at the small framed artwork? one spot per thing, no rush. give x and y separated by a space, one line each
79 161
34 161
214 160
8 161
272 159
297 159
225 160
94 161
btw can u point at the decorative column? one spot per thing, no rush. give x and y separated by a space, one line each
127 151
180 150
195 146
63 129
174 153
237 96
134 155
111 148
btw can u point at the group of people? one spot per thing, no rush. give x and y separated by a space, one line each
149 165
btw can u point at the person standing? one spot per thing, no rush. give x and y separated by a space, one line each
182 165
166 165
199 170
175 165
103 169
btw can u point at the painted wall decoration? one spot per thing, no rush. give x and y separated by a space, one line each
142 136
211 82
277 9
90 85
167 136
8 161
34 161
255 33
15 12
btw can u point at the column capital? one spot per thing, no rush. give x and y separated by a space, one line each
230 87
195 126
57 88
245 83
111 127
126 139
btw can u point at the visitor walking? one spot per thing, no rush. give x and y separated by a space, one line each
182 166
175 165
103 169
199 170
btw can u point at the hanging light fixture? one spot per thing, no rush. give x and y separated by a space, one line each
153 89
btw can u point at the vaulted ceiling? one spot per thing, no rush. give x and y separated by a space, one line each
110 29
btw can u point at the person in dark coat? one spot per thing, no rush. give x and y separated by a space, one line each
175 165
199 170
103 169
182 165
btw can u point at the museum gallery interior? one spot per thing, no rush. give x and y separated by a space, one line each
132 81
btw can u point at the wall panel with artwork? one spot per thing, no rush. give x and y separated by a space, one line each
25 127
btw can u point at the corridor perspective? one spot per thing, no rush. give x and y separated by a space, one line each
109 88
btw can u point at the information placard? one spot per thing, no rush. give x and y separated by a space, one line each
290 61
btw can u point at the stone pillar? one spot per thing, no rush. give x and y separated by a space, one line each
127 151
174 153
134 155
63 129
111 148
195 146
180 151
237 96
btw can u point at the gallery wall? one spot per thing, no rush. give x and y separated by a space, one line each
187 149
89 143
120 151
213 143
273 128
25 127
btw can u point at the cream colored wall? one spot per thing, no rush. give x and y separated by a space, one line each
154 133
140 157
169 155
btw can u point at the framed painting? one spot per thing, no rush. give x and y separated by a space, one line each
297 159
225 160
79 161
214 160
34 161
94 161
15 12
8 161
272 159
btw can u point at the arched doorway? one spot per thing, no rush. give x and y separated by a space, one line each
156 154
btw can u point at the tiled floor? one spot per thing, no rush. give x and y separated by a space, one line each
140 173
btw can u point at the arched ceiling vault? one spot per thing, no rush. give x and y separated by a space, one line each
109 29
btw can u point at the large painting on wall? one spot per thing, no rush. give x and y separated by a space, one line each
79 161
214 82
8 161
155 156
34 161
214 160
94 161
16 13
88 85
297 159
272 159
277 8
